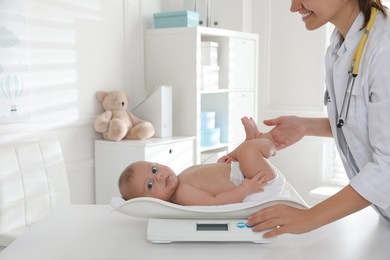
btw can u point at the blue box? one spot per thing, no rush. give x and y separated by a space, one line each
210 137
176 19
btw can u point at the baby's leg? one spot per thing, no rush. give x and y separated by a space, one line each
251 129
251 156
251 132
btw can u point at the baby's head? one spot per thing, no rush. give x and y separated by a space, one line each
147 179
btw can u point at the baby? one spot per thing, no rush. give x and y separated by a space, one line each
242 172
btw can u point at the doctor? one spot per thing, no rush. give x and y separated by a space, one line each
358 103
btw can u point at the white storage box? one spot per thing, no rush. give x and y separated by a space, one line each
210 77
207 120
210 53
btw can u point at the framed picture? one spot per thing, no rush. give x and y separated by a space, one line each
14 94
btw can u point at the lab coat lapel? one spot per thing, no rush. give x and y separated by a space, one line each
343 58
340 78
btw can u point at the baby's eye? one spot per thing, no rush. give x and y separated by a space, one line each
154 169
150 185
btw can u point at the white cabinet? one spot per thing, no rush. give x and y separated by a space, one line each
111 158
225 14
173 57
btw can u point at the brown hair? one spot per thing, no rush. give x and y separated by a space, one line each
365 7
125 181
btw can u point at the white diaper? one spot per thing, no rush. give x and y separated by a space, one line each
236 175
273 188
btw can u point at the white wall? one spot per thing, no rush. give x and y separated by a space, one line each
291 82
138 17
75 48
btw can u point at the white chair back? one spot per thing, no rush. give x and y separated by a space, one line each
33 180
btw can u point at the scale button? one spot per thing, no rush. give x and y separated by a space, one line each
241 224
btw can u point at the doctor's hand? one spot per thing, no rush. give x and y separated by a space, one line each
281 219
287 131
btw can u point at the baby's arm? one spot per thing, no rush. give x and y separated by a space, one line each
189 195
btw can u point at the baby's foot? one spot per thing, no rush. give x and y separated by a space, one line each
251 129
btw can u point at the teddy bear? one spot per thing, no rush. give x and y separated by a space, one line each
116 123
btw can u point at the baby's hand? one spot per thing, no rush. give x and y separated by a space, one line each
226 159
256 184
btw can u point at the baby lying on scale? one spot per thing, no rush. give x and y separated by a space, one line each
242 172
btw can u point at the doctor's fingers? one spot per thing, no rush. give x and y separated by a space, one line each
280 219
267 218
273 121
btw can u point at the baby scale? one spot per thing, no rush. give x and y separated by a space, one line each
168 222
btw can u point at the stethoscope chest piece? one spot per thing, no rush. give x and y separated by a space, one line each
340 123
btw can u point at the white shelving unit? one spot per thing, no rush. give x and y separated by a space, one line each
173 57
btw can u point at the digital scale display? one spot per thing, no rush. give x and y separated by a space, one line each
202 230
212 227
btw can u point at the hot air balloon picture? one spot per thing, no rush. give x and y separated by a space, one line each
11 87
12 98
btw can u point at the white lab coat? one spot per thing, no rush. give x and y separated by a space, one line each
367 128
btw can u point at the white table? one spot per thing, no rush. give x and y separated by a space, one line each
95 232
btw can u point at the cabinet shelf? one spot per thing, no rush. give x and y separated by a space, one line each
219 147
213 91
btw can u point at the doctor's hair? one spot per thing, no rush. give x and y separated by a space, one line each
365 7
124 182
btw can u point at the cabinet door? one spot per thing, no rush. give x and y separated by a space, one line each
233 15
226 14
202 7
242 60
240 104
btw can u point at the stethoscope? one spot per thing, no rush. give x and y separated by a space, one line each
353 72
